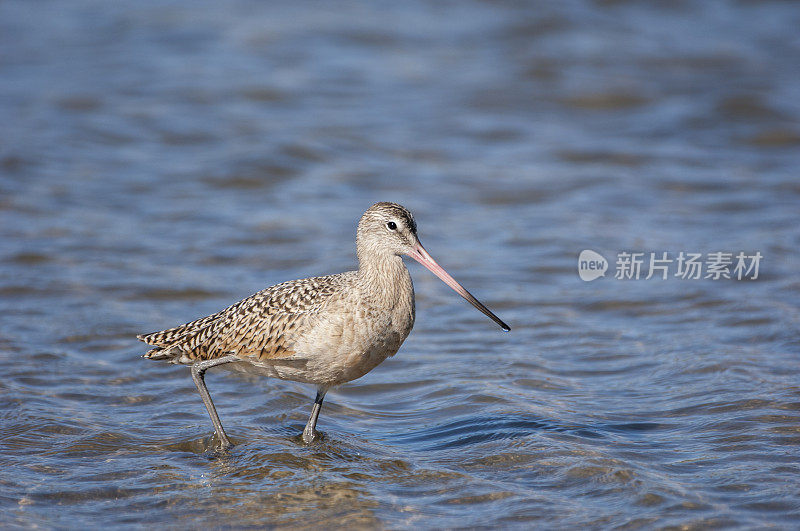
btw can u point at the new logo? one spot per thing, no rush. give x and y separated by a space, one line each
591 265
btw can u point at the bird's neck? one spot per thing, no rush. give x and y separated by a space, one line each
386 277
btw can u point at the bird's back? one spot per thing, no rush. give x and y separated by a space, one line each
261 327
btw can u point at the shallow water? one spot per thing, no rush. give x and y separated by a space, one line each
160 161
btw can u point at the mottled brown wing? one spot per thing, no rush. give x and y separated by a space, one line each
166 338
261 326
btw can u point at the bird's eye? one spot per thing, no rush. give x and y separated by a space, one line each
391 225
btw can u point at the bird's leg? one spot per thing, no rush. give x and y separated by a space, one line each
199 369
310 433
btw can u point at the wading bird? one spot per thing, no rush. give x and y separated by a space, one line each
324 330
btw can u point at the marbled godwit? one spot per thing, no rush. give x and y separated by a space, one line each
324 330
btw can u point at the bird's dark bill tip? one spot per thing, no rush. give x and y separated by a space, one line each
502 324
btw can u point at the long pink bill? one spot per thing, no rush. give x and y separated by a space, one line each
421 255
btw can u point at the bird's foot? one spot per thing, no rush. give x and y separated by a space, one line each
221 444
310 436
